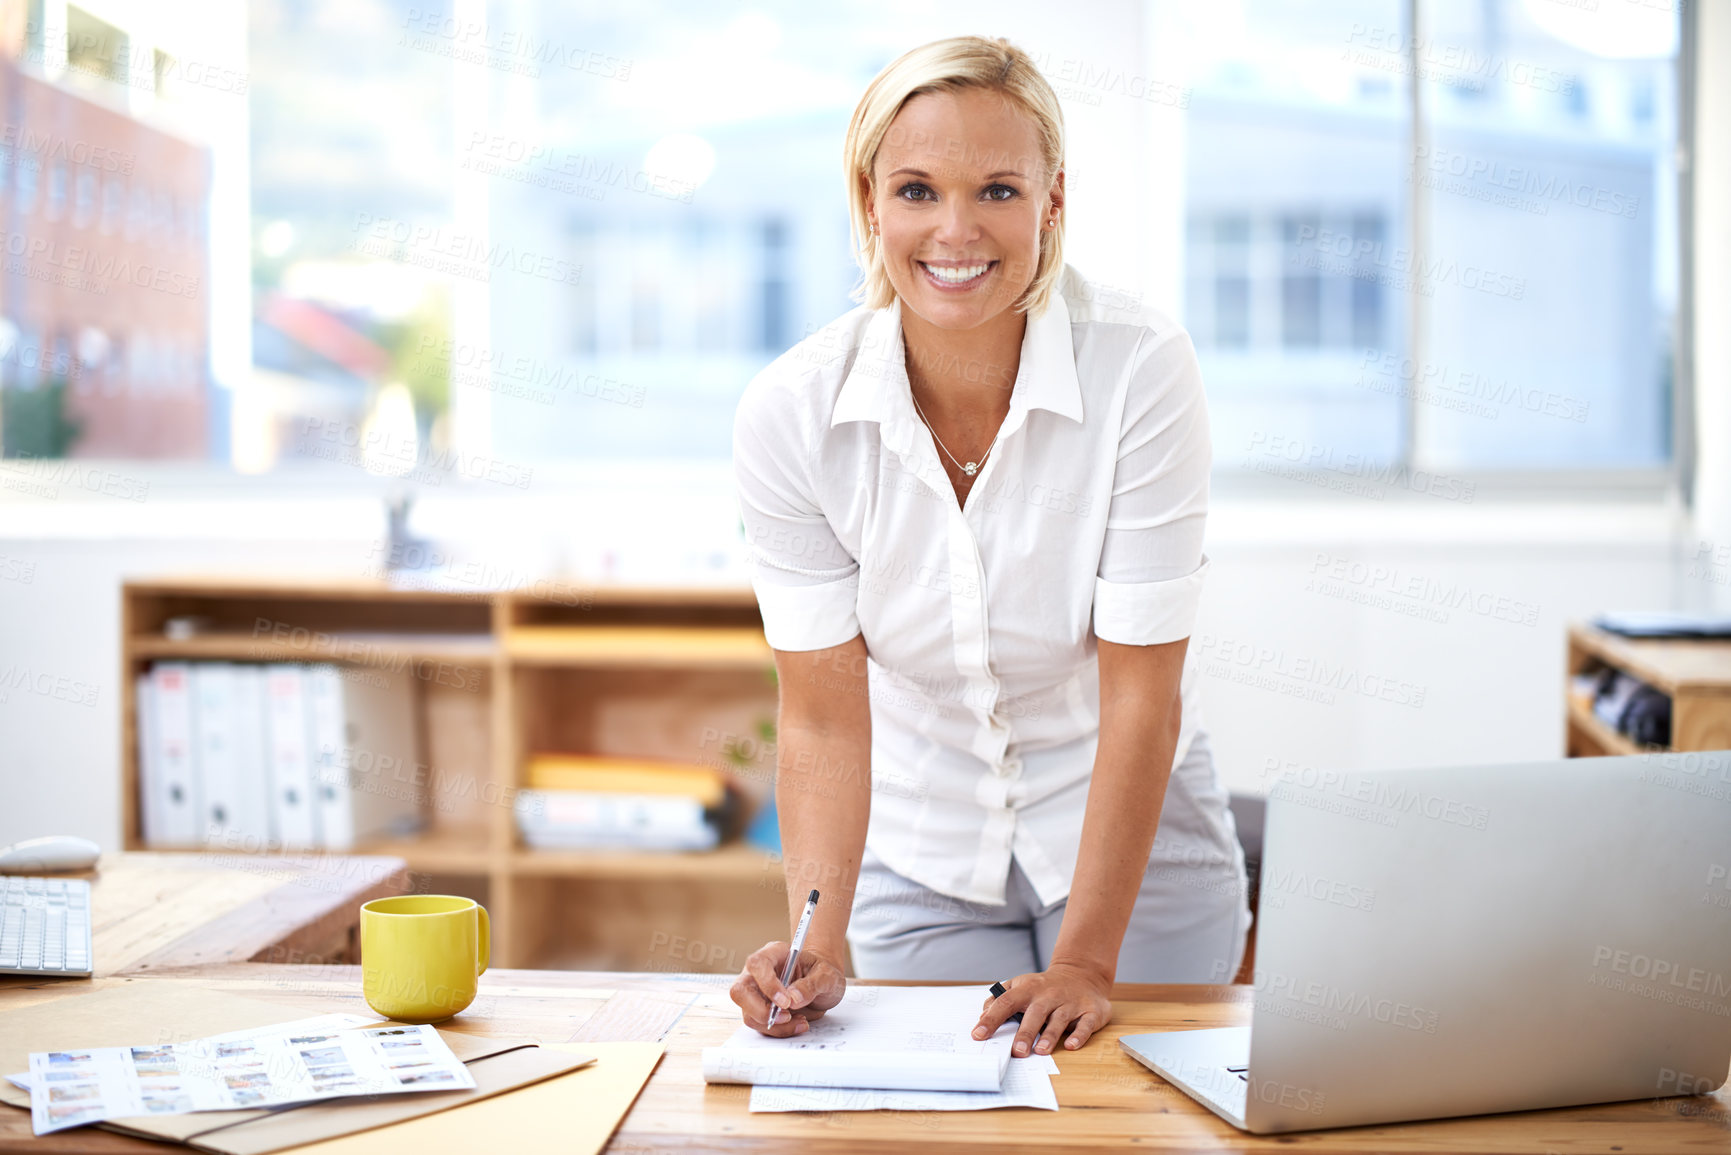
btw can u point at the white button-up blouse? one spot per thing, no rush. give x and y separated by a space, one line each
980 621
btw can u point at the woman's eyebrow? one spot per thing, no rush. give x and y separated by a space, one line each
922 173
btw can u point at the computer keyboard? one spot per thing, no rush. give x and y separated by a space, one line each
46 927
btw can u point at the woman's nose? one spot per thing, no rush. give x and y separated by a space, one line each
956 223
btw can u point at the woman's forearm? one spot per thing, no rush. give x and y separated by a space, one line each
1140 715
823 789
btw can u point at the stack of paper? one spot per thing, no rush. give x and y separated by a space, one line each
887 1048
595 802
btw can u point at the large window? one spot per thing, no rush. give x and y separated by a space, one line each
1449 246
1550 188
531 232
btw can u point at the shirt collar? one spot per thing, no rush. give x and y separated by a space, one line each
877 389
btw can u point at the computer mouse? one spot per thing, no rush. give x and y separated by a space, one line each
48 855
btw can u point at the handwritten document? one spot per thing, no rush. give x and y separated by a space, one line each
886 1048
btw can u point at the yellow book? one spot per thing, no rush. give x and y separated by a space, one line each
600 774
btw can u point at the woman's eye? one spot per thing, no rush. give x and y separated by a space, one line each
914 188
992 193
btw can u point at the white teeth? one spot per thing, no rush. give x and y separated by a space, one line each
956 276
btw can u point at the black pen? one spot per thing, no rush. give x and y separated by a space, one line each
998 992
793 951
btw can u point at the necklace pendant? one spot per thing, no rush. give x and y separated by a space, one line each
971 468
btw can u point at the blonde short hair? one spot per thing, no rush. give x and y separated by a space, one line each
948 66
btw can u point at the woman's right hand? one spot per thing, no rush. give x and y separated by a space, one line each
818 984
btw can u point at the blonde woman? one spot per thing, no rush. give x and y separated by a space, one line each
975 506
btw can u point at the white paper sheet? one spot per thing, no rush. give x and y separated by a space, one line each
888 1038
288 1063
888 1049
1026 1084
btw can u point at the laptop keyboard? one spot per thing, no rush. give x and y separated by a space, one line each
44 926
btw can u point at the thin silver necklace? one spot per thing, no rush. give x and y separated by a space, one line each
971 467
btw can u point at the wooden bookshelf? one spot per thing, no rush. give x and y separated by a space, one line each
612 670
1695 675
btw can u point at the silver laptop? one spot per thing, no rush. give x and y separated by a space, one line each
1435 943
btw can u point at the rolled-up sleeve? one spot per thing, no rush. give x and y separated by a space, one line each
1151 561
807 584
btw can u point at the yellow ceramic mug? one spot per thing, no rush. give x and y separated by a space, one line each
422 954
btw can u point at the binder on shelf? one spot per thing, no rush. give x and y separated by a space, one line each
291 761
174 808
365 756
252 756
228 754
152 820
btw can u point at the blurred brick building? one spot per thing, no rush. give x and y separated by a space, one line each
104 283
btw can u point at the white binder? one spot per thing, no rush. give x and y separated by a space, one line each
291 763
151 819
213 744
252 758
177 811
230 757
365 754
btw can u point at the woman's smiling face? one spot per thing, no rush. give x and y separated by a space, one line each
960 195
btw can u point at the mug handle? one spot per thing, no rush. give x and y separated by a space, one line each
486 929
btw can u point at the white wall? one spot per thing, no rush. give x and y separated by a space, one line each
1400 637
1491 689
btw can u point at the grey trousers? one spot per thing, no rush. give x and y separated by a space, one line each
1189 925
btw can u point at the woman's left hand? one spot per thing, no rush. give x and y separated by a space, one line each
1063 997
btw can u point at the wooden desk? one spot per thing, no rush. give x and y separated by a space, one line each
1107 1100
